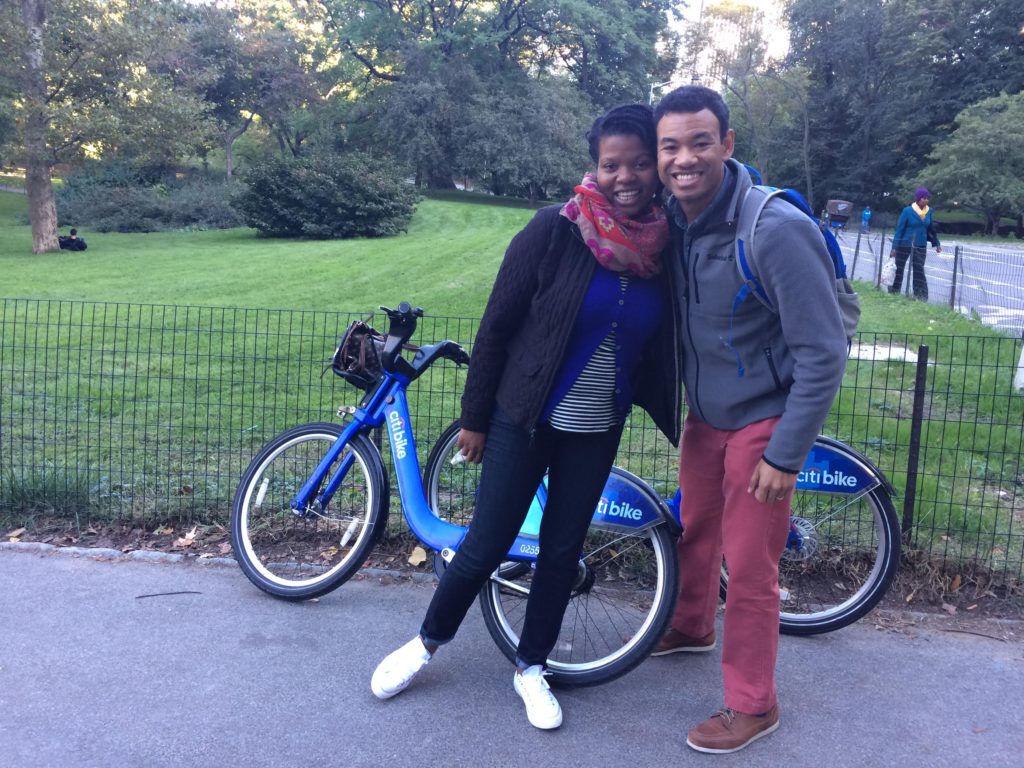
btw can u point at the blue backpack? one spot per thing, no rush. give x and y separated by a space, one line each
746 254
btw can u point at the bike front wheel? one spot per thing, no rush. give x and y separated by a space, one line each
620 603
300 556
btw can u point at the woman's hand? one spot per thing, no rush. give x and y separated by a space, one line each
471 445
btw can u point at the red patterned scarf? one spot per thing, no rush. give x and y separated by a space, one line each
618 242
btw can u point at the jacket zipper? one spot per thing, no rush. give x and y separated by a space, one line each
691 283
771 366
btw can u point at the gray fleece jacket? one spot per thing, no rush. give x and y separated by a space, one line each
745 363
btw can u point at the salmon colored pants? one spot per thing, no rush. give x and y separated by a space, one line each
721 518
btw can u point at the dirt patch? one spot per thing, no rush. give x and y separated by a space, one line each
921 597
191 540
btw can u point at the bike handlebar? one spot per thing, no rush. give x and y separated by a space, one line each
400 330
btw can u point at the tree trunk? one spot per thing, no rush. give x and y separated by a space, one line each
230 136
993 222
440 177
42 213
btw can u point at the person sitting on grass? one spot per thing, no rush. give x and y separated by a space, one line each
72 242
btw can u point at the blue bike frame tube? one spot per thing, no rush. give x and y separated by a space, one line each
302 499
428 527
364 418
436 533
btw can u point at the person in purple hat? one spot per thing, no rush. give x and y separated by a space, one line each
910 241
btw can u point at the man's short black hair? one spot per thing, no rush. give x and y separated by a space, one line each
624 120
694 98
74 231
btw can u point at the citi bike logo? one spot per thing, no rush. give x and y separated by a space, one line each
823 478
615 509
398 438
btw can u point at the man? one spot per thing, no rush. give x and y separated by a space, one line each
72 242
759 385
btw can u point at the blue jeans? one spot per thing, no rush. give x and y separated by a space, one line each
578 465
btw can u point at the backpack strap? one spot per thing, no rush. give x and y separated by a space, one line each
753 204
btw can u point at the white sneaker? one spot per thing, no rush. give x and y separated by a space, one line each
394 674
542 707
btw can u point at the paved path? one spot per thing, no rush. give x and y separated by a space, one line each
101 666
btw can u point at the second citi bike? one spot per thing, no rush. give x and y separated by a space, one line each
315 499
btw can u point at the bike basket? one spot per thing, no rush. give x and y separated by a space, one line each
357 359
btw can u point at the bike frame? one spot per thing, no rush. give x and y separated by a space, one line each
627 503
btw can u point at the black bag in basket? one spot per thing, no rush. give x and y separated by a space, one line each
357 359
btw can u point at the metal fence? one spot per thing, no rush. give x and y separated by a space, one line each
150 413
982 280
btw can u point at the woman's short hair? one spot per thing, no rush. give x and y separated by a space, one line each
624 120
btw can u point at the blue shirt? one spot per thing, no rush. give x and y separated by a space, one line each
634 316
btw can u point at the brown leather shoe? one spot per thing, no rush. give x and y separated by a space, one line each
730 731
674 641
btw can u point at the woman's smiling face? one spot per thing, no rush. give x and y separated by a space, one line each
627 173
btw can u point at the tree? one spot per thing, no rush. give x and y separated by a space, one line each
424 61
980 166
887 76
42 211
86 87
526 138
247 61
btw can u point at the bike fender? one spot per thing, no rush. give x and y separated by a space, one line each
628 503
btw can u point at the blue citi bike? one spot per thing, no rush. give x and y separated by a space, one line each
315 499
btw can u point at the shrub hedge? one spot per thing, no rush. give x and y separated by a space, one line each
115 197
327 196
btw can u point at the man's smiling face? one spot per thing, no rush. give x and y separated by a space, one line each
691 158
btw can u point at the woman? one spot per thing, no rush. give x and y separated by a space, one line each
914 231
579 326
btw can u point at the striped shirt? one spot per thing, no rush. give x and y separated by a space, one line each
589 405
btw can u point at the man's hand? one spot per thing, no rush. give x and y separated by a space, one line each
471 445
770 485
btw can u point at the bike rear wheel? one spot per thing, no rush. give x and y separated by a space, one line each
619 606
298 557
849 554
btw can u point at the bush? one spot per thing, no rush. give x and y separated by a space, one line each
114 197
327 196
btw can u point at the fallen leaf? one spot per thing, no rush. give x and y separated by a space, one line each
954 585
164 531
328 553
980 729
15 533
950 609
225 548
972 607
183 541
911 595
418 556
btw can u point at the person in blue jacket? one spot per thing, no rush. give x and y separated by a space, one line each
910 241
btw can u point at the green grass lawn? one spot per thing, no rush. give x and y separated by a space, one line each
445 264
154 410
